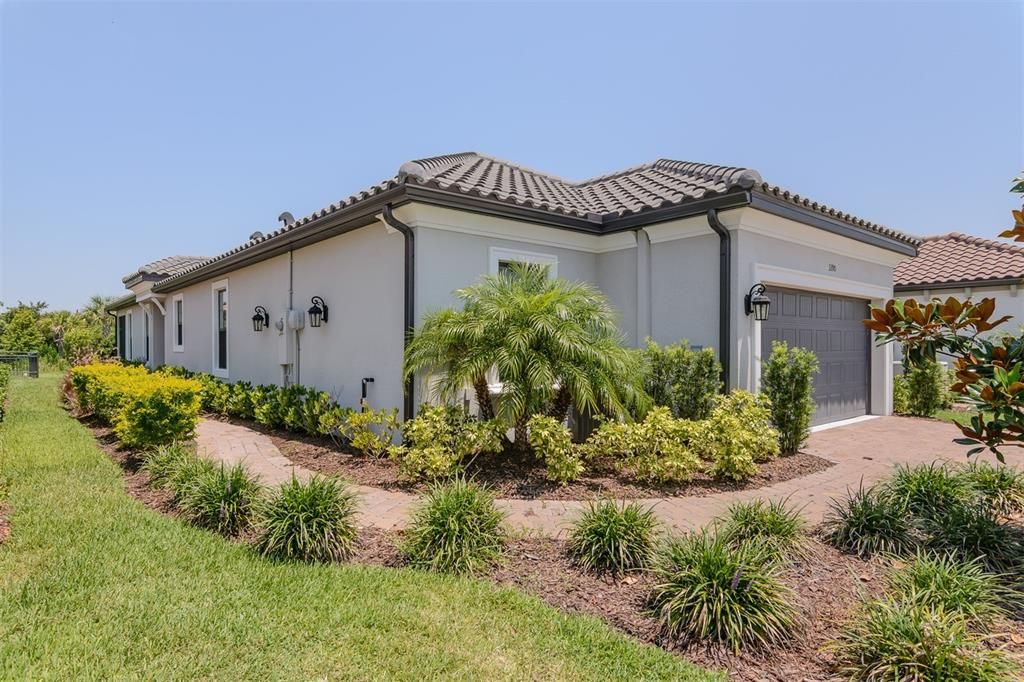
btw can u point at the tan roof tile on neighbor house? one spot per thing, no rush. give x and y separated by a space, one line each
956 257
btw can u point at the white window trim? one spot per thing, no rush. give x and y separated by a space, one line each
499 254
175 346
215 317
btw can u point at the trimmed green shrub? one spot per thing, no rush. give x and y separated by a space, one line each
869 522
683 380
927 388
456 529
655 449
442 439
312 521
709 590
552 443
928 490
900 394
905 640
608 537
222 499
945 582
162 462
969 531
772 524
239 402
157 412
738 435
787 378
999 487
146 409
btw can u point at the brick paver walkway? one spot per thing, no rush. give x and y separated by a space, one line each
864 451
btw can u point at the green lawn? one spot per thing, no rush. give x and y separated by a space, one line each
93 585
957 416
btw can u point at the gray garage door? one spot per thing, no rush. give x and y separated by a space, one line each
831 327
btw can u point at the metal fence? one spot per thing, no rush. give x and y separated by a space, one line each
21 364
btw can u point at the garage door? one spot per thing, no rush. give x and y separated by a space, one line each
831 327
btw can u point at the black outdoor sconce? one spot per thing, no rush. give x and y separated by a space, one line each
261 319
317 312
757 303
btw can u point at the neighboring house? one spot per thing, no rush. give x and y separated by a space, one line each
964 266
139 331
676 246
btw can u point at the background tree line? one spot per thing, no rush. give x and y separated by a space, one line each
57 335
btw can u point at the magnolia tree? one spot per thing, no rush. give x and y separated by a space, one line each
989 371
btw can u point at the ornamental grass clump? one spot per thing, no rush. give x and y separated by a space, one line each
999 487
711 591
609 537
869 522
969 531
774 524
310 521
222 499
905 640
942 581
928 490
162 462
456 529
186 472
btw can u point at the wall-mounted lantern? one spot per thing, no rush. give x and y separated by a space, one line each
757 303
317 312
261 319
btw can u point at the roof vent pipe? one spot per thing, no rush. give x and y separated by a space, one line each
286 218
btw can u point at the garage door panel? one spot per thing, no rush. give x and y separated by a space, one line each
830 326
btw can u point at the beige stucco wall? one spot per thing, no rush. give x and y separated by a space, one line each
663 280
359 275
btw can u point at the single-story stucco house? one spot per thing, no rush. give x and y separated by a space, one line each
676 247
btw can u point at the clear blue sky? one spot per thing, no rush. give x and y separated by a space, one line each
137 131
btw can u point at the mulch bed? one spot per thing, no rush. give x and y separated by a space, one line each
515 475
826 583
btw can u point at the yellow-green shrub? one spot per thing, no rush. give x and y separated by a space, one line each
145 409
552 442
655 449
441 439
737 436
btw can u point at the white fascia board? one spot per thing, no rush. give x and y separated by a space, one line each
768 225
437 218
812 281
697 226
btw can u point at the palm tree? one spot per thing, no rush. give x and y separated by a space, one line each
553 343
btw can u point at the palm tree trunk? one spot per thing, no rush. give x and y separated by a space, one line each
522 442
560 407
483 398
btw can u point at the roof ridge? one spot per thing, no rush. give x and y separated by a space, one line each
425 169
975 240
